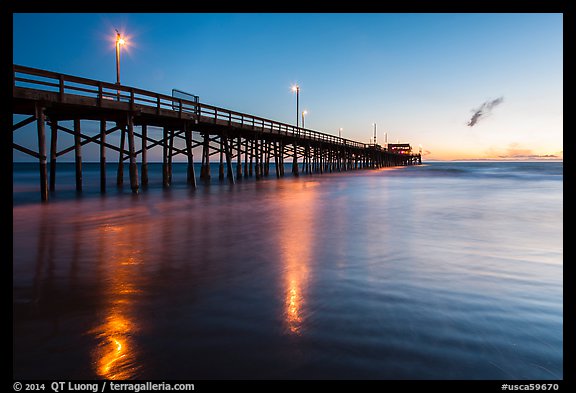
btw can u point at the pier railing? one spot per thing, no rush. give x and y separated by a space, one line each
111 95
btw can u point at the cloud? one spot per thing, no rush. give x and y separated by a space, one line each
484 110
516 153
530 156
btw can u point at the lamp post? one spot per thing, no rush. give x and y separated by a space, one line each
119 41
304 113
296 88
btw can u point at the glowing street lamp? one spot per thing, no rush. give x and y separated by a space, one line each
119 41
296 88
304 113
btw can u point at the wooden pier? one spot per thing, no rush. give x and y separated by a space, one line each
49 99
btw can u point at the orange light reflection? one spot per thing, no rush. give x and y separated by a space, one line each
115 357
296 209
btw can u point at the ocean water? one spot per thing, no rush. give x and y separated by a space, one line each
444 271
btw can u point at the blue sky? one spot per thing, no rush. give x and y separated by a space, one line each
418 76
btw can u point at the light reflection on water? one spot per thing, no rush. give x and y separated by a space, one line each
115 357
296 206
402 274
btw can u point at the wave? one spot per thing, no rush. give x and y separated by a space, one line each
517 170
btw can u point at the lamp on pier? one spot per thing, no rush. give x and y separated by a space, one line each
296 88
119 41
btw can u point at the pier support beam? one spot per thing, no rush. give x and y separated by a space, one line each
256 159
228 151
251 158
246 158
144 155
281 158
239 159
165 153
190 175
103 156
170 154
267 159
221 166
295 160
41 128
53 153
132 151
205 168
78 154
120 173
276 160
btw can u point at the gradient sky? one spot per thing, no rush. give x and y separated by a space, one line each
419 77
